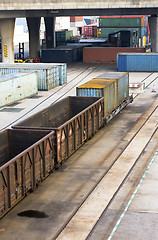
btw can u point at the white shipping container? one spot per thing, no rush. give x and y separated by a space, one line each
17 86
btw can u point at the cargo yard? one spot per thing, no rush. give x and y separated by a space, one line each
106 189
78 127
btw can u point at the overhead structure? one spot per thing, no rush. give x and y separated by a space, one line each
11 9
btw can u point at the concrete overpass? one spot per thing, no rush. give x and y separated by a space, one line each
33 10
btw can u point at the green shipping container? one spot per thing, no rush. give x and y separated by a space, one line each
62 36
104 32
120 22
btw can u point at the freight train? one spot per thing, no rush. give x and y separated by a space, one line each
33 148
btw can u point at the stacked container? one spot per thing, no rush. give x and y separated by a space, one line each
48 75
90 31
17 86
121 80
100 88
63 36
114 87
66 54
63 54
104 32
122 21
111 24
62 72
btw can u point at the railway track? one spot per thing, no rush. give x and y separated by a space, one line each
90 69
117 214
95 198
74 219
112 157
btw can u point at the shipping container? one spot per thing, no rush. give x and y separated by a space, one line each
135 62
79 47
93 42
120 22
90 31
106 55
17 86
26 158
63 36
48 76
72 52
74 120
76 19
144 31
104 32
61 54
123 21
59 44
62 72
121 84
99 88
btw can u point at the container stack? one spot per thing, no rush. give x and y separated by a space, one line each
16 86
99 88
138 25
49 75
114 87
62 37
64 54
90 31
62 72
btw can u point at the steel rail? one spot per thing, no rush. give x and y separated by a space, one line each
146 85
103 175
121 184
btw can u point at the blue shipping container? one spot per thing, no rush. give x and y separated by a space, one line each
144 31
137 62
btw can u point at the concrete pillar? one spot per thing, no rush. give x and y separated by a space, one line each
7 36
153 26
50 32
34 36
